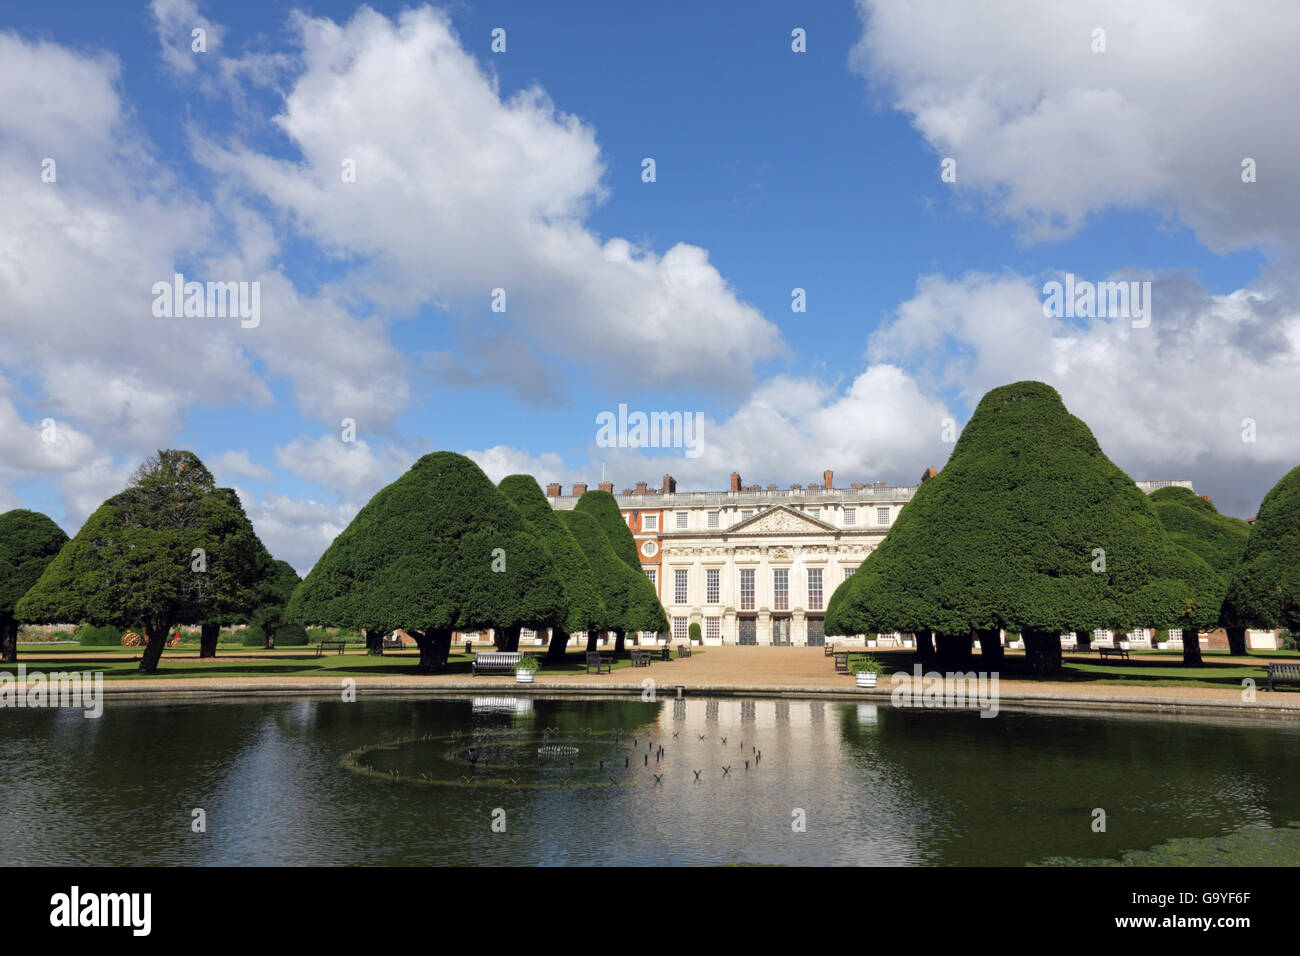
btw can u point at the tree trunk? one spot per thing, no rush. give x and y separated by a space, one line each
1084 640
1042 651
954 649
8 641
208 634
619 635
924 645
509 637
375 642
1237 641
157 634
559 643
591 640
1191 647
990 648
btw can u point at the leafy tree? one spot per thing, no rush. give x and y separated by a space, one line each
275 586
584 609
631 606
169 549
1029 527
1195 524
644 603
28 543
438 550
1264 589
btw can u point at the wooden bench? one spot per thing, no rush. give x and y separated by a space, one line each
683 650
1106 652
603 662
841 662
1287 673
500 662
640 658
331 645
829 649
392 643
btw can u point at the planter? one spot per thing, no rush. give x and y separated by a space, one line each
871 643
524 677
866 678
695 643
1162 645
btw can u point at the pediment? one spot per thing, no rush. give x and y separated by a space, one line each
782 520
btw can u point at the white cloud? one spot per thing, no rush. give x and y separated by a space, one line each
501 461
238 464
349 467
175 22
485 193
297 531
1051 133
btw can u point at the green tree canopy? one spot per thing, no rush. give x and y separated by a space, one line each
28 543
584 609
169 549
627 594
275 586
1029 527
438 550
644 612
1195 524
1264 588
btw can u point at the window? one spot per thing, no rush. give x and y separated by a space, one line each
746 514
815 589
681 520
527 634
815 512
747 589
781 589
649 522
713 628
650 573
679 628
850 516
713 519
679 586
882 516
711 585
650 549
848 573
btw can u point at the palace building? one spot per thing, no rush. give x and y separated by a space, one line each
754 565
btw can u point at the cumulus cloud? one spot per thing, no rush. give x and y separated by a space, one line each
297 530
238 464
1050 133
485 192
349 467
175 22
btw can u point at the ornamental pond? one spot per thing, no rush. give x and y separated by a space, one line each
421 781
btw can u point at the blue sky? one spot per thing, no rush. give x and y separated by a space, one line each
775 170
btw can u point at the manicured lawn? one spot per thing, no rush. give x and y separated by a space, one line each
121 663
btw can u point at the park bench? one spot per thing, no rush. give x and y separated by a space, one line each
841 662
683 650
640 658
392 643
330 645
501 662
829 649
602 662
1106 652
1287 673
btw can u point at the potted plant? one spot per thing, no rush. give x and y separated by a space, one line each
872 640
527 669
693 632
867 670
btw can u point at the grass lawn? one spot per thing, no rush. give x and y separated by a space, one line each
121 663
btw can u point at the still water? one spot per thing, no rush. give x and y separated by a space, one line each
306 782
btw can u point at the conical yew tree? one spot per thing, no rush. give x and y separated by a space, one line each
630 605
1195 524
584 609
438 550
1264 589
644 606
1028 527
28 543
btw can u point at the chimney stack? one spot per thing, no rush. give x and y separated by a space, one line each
929 473
735 481
879 484
640 487
670 484
579 489
553 490
827 475
606 486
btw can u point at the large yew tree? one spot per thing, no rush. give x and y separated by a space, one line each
439 550
1264 588
627 595
170 549
1029 527
1195 524
29 541
583 608
643 603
